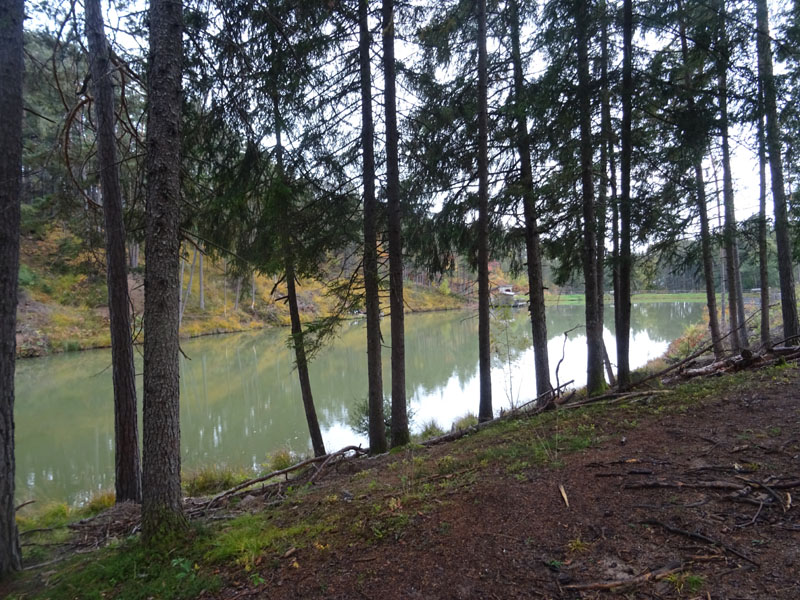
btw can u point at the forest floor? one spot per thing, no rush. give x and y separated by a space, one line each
686 493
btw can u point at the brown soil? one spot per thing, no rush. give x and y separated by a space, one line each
511 535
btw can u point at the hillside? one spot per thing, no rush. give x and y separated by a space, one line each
63 297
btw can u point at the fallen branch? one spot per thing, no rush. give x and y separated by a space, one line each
277 473
549 395
614 397
24 504
716 485
654 575
459 433
695 355
701 537
764 486
331 458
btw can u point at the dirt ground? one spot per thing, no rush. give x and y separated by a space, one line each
699 504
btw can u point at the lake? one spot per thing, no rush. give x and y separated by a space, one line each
240 400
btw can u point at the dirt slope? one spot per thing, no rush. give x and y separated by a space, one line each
714 470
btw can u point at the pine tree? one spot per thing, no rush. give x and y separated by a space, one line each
791 326
11 68
162 509
126 429
400 433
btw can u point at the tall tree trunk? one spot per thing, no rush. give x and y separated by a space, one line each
11 68
200 282
253 291
791 327
400 433
532 246
377 428
133 255
735 296
162 511
623 327
485 412
763 266
238 293
595 381
700 197
188 291
298 342
127 471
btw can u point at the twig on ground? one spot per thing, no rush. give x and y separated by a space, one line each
701 537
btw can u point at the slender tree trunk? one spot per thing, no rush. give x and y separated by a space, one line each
702 208
11 69
253 291
133 255
162 511
763 266
298 342
400 433
735 296
485 411
377 428
623 327
238 293
532 246
188 291
595 381
127 471
791 327
200 282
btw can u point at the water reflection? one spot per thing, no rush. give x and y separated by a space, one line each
240 400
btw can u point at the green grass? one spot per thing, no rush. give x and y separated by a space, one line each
213 479
133 571
246 538
579 299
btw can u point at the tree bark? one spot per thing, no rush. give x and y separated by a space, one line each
595 381
623 327
11 70
702 208
763 267
532 246
162 513
485 412
298 342
128 482
377 428
791 327
400 433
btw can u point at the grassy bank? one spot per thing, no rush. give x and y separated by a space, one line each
649 297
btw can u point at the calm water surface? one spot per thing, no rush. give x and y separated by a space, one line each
240 399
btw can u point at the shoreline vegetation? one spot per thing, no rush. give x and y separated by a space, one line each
62 299
215 477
